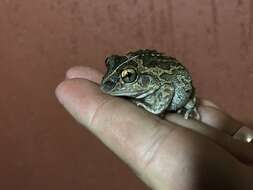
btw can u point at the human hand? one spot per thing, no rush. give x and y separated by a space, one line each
174 153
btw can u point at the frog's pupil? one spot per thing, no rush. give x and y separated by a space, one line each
130 77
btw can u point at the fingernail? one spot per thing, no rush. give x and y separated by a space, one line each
210 104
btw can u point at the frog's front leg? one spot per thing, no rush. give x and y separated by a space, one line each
159 101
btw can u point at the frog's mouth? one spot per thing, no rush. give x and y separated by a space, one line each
111 88
132 95
143 95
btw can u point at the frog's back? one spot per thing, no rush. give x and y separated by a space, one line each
167 70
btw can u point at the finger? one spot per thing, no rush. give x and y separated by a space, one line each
243 151
217 119
154 148
208 103
244 134
213 116
116 122
85 73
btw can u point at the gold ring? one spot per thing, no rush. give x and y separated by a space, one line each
244 134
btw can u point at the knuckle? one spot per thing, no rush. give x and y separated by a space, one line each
157 142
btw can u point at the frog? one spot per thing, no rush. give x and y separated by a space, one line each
150 79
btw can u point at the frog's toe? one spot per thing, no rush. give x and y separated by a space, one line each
184 112
186 115
191 113
180 111
196 114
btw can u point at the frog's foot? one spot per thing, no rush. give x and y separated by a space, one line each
196 114
191 110
192 113
186 113
180 111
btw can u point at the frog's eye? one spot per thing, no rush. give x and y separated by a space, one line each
128 75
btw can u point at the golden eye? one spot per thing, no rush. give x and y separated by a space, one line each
128 75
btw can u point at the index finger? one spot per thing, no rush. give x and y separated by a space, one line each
209 115
126 130
154 148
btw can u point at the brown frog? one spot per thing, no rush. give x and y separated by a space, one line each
152 80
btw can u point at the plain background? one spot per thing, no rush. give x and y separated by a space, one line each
41 146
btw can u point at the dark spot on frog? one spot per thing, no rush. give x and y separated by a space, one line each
160 61
108 86
165 65
144 80
165 76
132 64
188 91
149 62
114 61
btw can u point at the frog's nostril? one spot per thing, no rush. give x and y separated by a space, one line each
108 85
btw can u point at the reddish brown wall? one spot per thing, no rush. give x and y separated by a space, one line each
42 147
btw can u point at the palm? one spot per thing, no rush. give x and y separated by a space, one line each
166 154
